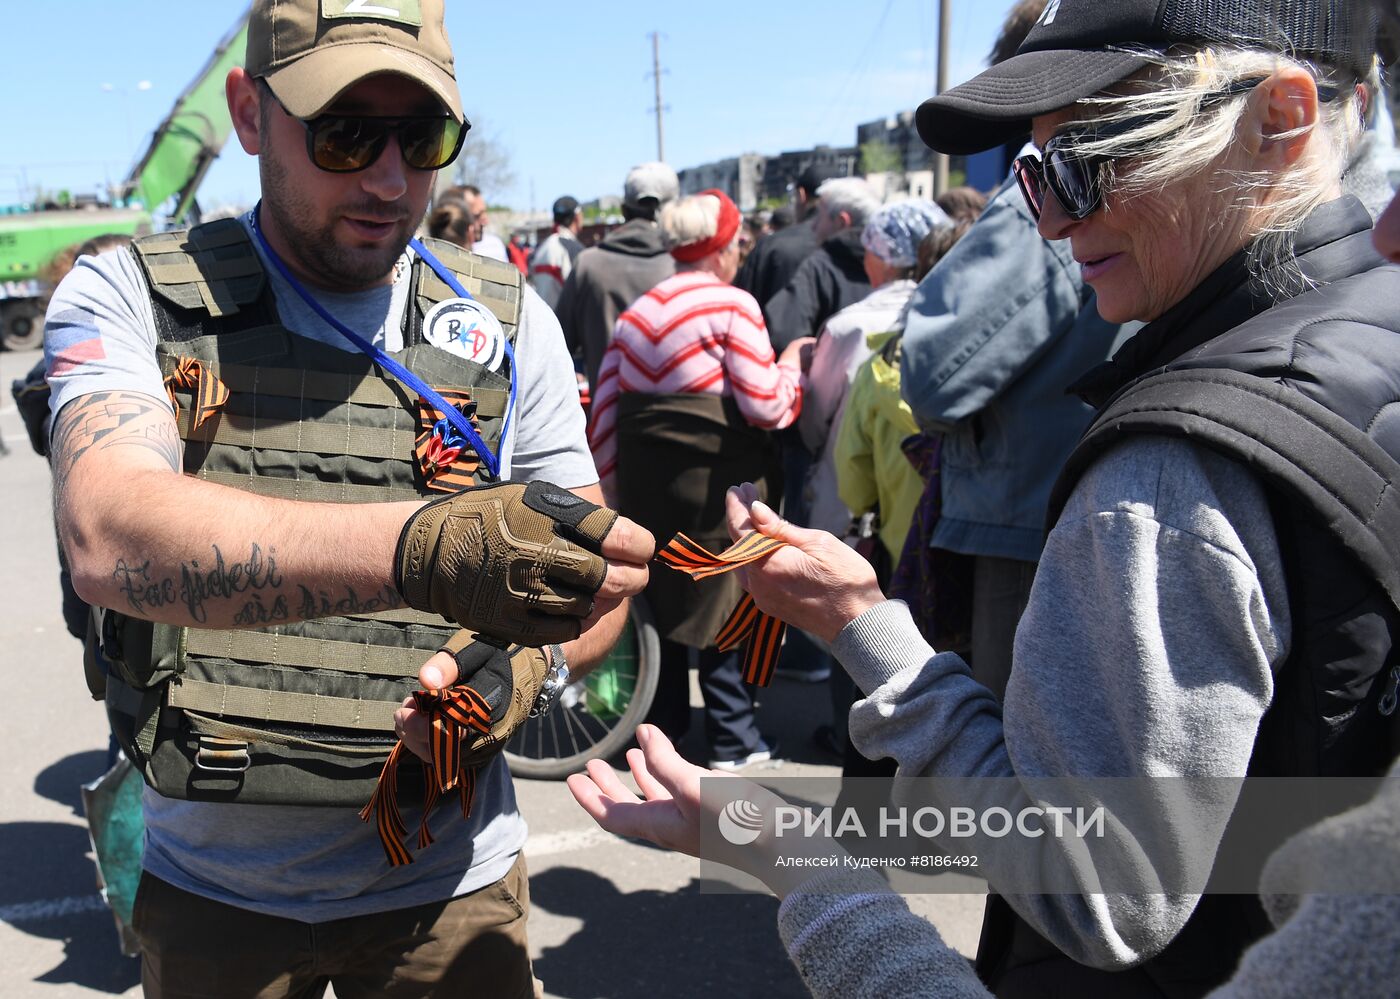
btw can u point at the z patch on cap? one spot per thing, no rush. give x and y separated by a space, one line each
403 11
468 329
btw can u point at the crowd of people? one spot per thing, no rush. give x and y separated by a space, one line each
1183 271
1090 475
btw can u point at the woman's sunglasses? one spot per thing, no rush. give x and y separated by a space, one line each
342 143
1077 179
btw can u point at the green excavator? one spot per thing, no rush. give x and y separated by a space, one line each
163 182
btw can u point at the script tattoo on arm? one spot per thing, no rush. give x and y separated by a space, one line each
199 583
323 604
254 584
108 420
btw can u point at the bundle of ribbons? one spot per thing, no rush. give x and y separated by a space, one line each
762 632
453 714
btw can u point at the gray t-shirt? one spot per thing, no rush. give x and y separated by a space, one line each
317 864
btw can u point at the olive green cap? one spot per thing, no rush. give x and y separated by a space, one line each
312 51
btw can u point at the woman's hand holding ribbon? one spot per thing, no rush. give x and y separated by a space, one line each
816 583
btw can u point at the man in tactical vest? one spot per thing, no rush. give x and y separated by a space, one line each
272 612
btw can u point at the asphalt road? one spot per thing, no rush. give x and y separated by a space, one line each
609 918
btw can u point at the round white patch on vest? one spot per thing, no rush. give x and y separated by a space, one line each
468 329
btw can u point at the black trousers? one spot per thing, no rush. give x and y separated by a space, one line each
731 730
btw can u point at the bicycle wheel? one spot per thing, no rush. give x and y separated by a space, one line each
596 716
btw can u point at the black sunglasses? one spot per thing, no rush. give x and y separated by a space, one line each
1077 179
345 143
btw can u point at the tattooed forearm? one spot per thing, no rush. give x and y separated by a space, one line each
143 594
222 579
163 439
90 419
198 584
256 586
258 611
323 604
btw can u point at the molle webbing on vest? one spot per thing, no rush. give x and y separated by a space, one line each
309 653
256 704
302 420
212 268
494 284
308 490
244 430
359 388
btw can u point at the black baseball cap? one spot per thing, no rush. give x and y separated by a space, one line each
816 175
565 208
1079 47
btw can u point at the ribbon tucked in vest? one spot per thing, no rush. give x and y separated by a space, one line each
445 456
209 393
762 632
453 714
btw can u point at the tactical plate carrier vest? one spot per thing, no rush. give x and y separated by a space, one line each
299 711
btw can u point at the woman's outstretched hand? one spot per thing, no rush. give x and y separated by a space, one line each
817 584
673 814
670 814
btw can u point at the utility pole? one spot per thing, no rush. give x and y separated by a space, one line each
945 19
656 74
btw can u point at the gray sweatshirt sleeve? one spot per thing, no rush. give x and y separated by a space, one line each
1337 934
1157 615
849 935
868 943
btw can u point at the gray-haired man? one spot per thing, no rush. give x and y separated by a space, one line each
834 276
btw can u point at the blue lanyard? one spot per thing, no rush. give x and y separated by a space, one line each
450 412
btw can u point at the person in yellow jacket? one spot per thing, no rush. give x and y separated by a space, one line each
872 472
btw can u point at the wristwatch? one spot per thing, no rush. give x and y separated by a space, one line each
554 682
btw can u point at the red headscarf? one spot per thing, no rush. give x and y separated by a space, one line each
725 229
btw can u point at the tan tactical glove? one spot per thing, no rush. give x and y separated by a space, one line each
505 560
509 683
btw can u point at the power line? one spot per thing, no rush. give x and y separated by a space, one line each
859 65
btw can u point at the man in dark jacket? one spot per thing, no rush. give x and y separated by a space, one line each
777 256
628 263
833 277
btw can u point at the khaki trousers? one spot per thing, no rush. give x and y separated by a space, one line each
469 946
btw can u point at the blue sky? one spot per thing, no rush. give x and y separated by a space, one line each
563 86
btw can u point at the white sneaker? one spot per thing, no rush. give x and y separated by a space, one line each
761 755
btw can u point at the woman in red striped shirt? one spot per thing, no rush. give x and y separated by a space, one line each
686 395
